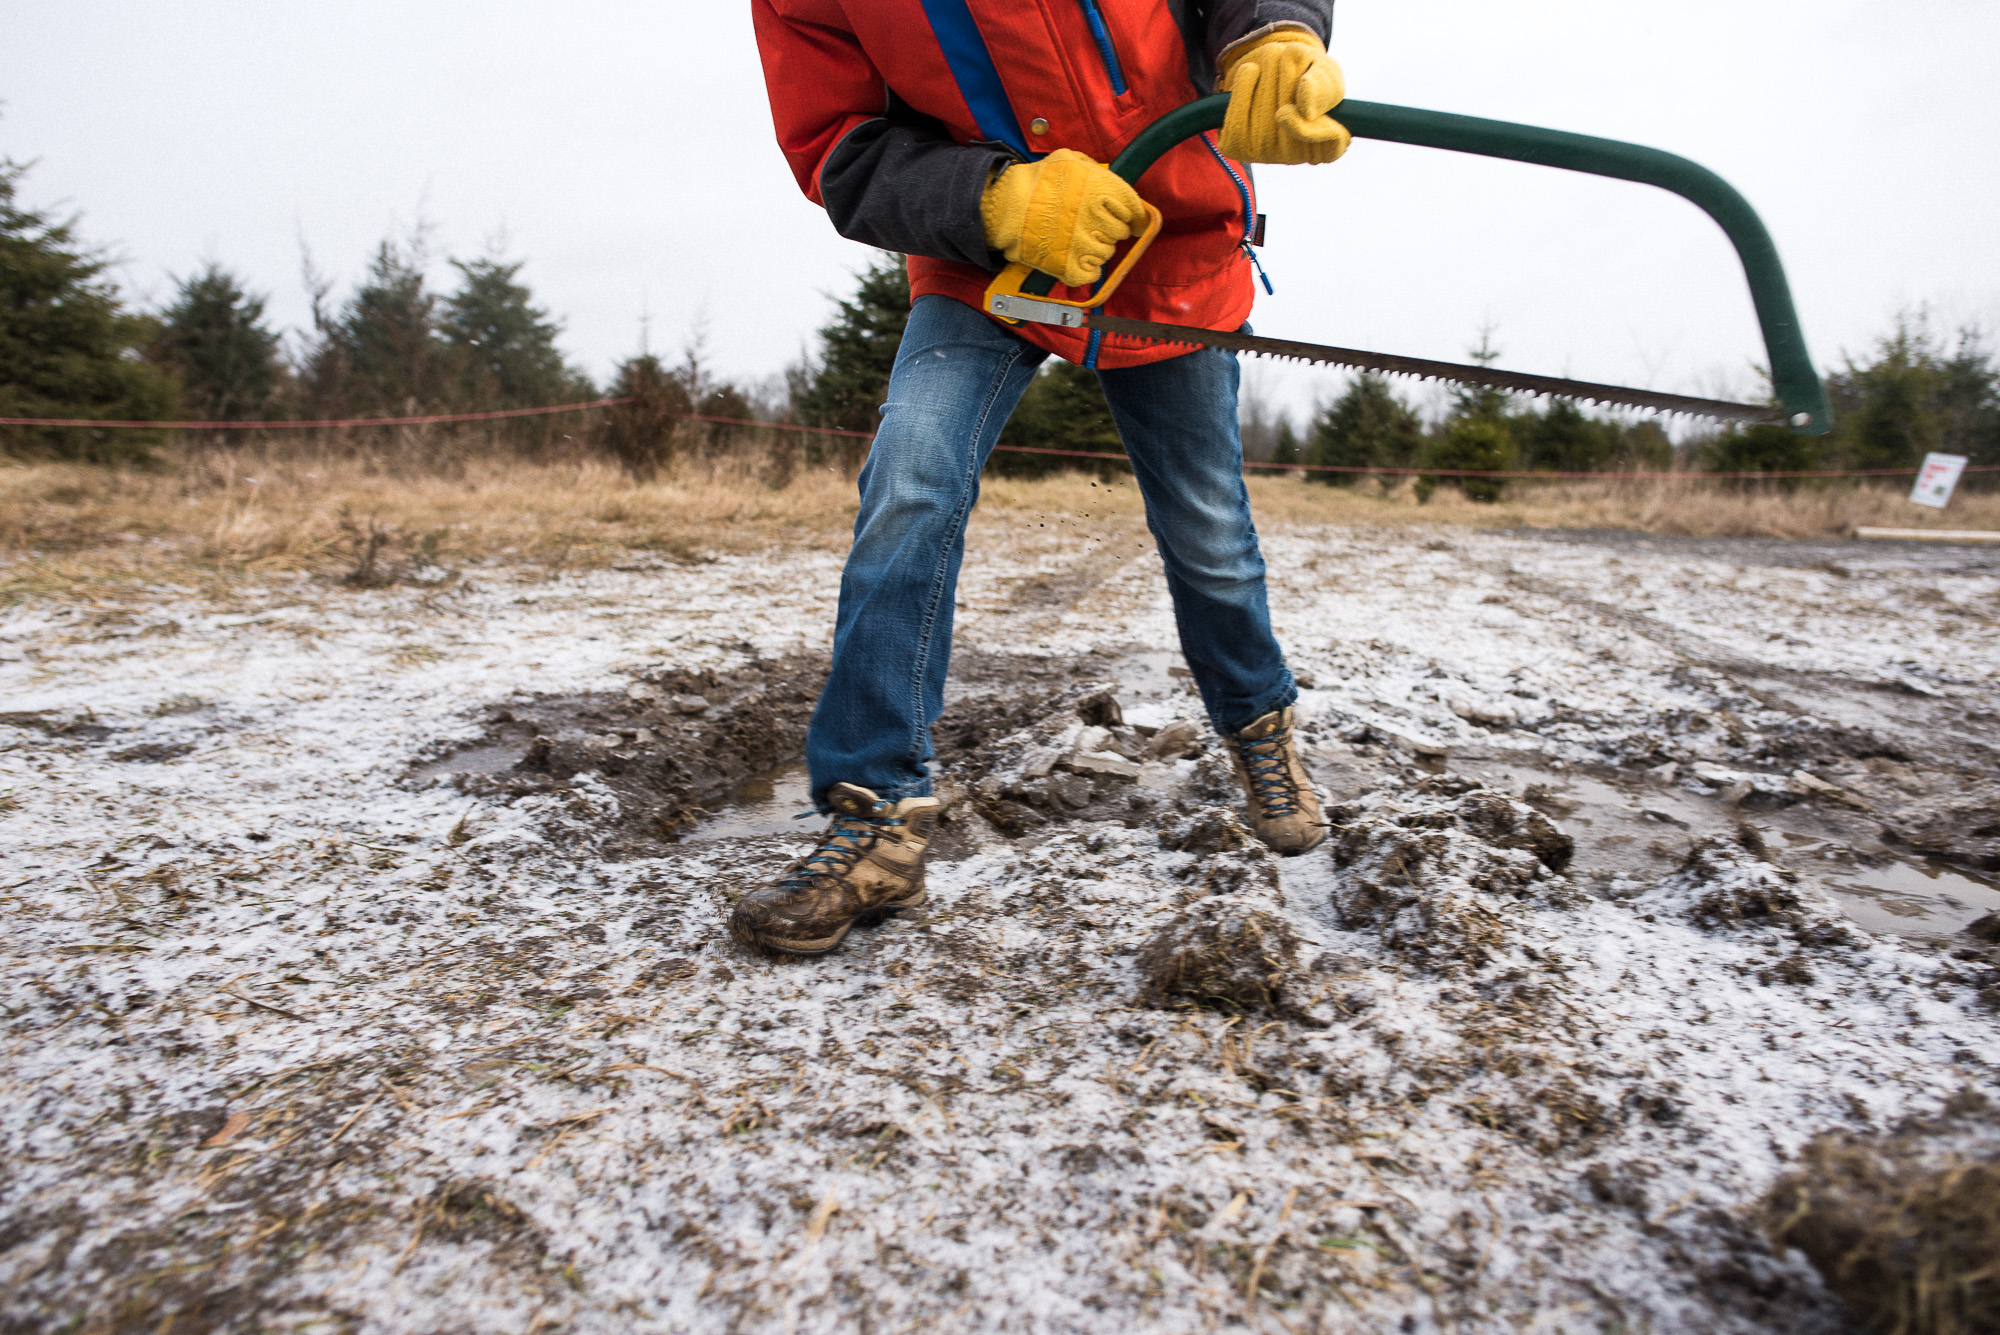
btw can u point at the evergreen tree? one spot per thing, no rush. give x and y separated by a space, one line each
1562 440
1968 401
642 434
1764 448
1367 427
1286 449
1063 409
214 341
727 401
505 345
1477 436
1480 402
1916 397
848 386
1643 446
1893 425
388 337
66 346
1472 443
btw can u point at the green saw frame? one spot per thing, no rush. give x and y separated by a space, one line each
1797 385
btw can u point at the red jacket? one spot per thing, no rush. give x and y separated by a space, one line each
894 115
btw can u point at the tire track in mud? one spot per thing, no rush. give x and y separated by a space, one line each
1806 692
1035 605
1941 798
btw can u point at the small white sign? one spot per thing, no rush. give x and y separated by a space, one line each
1935 480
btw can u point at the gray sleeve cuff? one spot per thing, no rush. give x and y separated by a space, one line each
1233 22
909 188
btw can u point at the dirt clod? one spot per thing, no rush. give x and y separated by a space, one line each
1434 868
1904 1227
1226 950
1963 827
1209 830
1726 884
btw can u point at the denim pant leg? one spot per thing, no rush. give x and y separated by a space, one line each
956 380
1178 421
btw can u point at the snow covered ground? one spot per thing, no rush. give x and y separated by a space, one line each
304 1033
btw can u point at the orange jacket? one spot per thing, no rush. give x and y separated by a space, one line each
895 114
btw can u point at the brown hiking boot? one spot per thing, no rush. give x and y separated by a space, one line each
1284 809
869 862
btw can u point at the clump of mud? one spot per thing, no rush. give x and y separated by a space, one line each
1435 868
1904 1227
1233 948
1728 884
1227 950
1962 827
1228 857
1230 948
1076 758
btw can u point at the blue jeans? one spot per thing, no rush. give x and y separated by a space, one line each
957 377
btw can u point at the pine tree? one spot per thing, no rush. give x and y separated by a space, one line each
214 341
1063 409
1478 436
66 345
1916 397
1764 448
847 388
505 345
1367 427
642 434
1643 446
1286 449
1480 402
1476 444
1561 439
388 338
1968 401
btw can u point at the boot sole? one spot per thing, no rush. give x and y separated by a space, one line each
866 918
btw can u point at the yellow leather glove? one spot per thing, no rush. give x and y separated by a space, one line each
1063 215
1280 88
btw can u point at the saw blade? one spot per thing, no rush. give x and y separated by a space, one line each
1520 382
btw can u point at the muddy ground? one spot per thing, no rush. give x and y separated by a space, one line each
367 970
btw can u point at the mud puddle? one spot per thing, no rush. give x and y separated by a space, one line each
674 747
764 804
1628 826
1911 899
715 754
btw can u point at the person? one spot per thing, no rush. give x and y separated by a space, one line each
965 134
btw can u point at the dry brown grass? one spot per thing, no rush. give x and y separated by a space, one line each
212 513
232 513
1690 508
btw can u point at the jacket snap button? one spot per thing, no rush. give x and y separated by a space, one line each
1038 126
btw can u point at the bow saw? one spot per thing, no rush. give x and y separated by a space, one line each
1021 294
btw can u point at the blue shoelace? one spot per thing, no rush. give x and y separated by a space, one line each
840 847
1264 762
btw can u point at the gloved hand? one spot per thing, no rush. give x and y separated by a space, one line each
1063 215
1280 88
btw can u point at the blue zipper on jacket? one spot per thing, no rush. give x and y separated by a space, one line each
1249 210
1095 18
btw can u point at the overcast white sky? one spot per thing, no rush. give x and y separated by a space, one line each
626 151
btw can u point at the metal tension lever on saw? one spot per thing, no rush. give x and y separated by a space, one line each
1022 294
